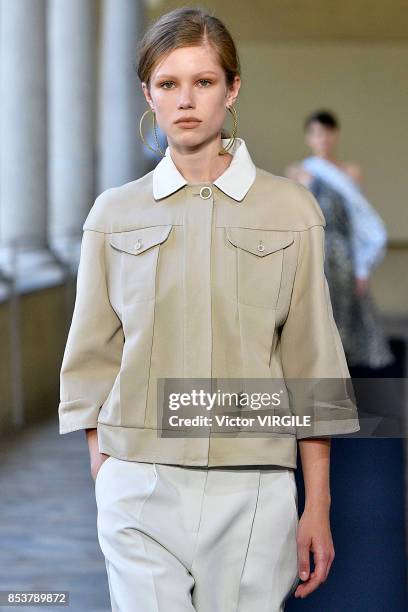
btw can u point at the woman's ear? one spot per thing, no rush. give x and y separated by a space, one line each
233 91
147 95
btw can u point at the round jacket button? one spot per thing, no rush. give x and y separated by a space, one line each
205 192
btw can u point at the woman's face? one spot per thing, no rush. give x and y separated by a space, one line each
321 139
189 82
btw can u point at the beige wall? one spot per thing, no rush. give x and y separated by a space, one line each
44 316
366 85
308 20
6 393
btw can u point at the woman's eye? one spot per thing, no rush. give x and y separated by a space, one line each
165 83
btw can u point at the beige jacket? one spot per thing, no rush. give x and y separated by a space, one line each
210 280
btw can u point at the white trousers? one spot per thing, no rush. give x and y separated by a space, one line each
180 539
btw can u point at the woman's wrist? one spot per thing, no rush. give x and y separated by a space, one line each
92 439
318 501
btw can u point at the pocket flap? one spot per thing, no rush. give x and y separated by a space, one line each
139 240
259 241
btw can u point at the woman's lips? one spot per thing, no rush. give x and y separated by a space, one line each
188 124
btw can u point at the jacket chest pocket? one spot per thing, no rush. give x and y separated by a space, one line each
139 257
259 267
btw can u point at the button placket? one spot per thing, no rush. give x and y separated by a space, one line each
197 334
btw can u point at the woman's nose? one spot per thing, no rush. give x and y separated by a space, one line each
186 99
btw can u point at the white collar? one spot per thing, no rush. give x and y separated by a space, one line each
235 181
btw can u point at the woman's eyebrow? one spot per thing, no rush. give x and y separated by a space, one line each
170 76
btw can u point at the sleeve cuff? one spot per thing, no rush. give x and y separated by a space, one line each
77 414
329 420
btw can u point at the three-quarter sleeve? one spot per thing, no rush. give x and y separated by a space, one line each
312 354
93 351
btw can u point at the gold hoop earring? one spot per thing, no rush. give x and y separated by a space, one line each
160 152
229 144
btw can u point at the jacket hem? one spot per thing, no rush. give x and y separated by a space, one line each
145 445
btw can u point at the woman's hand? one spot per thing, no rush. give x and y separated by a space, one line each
96 463
96 458
314 535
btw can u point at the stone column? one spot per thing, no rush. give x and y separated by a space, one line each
23 147
23 153
121 101
71 113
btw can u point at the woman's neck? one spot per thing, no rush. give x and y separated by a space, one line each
202 166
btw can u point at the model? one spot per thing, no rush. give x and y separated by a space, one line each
208 268
356 238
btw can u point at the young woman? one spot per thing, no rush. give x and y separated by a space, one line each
355 241
207 268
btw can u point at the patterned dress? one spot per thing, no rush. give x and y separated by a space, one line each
364 341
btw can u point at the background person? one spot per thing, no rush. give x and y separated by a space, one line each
355 240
